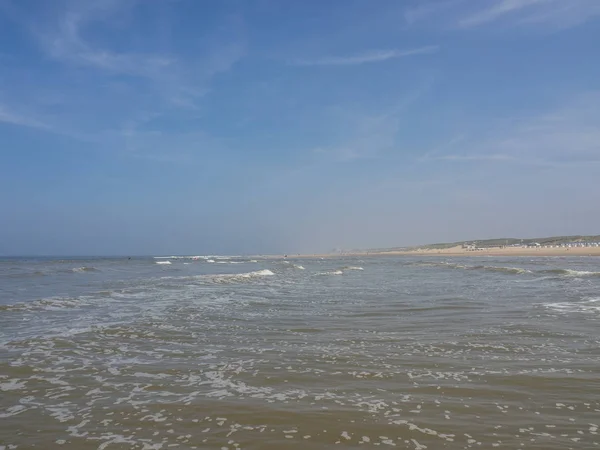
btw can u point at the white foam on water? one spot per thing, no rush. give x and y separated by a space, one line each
333 272
13 411
501 269
514 270
234 277
83 269
163 262
45 304
352 268
12 385
581 273
257 273
589 305
297 266
573 273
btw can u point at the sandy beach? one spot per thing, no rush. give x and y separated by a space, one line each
507 251
462 252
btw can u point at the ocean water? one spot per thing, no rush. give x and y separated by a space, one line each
238 353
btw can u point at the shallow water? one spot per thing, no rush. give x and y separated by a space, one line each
408 352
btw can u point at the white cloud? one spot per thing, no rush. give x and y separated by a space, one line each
567 135
107 78
464 14
10 117
364 58
558 13
498 10
369 135
179 81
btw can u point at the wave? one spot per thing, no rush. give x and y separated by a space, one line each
232 278
287 265
166 263
513 270
352 268
333 272
440 264
568 273
588 306
572 273
84 269
509 270
50 272
224 278
37 273
44 304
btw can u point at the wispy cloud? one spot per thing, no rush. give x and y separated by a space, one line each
179 81
558 13
567 135
365 58
10 117
366 136
464 14
107 85
498 10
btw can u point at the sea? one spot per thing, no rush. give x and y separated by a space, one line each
214 352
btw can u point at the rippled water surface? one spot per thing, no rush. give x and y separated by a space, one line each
417 353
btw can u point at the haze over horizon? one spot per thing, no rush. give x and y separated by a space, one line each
185 127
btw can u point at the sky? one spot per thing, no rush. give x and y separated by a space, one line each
144 127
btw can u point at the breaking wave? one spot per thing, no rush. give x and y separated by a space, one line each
233 278
513 270
352 268
509 270
44 304
572 273
84 269
224 278
166 263
589 306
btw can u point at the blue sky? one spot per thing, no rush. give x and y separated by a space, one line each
182 126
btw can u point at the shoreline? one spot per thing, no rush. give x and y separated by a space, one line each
460 252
